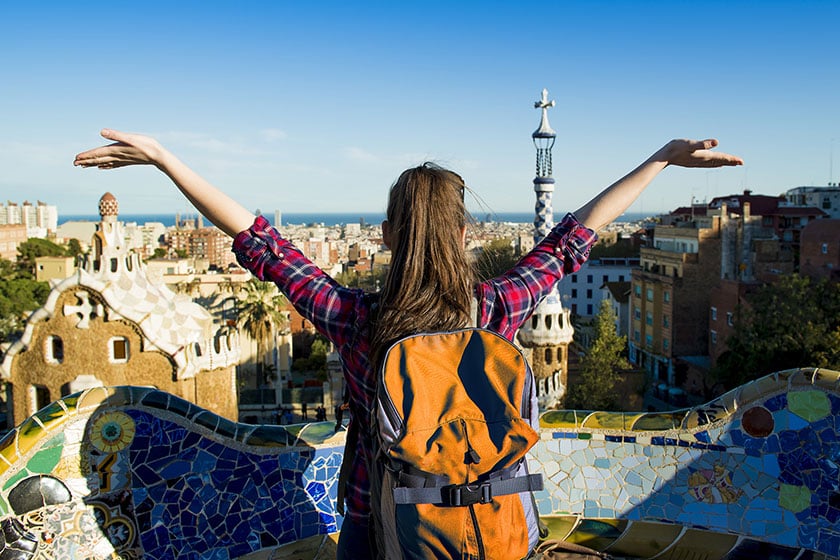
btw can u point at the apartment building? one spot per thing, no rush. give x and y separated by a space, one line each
820 249
205 243
11 235
582 291
825 198
670 295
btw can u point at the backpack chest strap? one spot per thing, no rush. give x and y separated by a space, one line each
468 494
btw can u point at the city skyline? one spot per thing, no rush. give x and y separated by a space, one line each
318 108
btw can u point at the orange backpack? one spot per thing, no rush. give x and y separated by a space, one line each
455 414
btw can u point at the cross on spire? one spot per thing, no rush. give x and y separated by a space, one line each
545 130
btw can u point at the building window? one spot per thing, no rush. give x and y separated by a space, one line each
548 355
665 344
637 336
714 337
118 350
714 313
589 279
824 249
649 318
574 278
649 340
621 278
666 296
637 313
574 292
548 322
666 322
729 319
589 309
605 278
39 397
54 349
638 290
588 294
649 294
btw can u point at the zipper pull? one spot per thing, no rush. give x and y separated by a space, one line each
471 457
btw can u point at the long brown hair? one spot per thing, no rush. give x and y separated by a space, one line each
430 282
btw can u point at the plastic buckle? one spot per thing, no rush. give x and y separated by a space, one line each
467 494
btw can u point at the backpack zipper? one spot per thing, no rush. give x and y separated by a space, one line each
472 457
478 539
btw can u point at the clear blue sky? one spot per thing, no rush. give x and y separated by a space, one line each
317 106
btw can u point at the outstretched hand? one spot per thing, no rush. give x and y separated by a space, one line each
127 149
695 153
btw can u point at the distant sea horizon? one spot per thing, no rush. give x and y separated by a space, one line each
332 218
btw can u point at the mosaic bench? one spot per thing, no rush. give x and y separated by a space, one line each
130 472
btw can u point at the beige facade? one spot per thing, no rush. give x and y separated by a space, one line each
54 268
10 237
108 324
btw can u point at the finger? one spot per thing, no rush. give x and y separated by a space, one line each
117 136
706 144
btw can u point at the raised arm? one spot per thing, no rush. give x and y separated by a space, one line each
135 149
616 198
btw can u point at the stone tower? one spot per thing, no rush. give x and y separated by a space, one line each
547 335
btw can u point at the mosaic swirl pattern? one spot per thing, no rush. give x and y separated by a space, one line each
136 473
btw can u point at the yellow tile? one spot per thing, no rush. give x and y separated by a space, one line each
93 398
30 433
559 526
606 421
598 534
827 379
642 539
658 421
695 543
52 416
558 419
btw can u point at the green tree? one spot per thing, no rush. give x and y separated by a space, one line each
73 248
316 362
20 294
33 248
368 281
794 322
261 315
495 258
600 367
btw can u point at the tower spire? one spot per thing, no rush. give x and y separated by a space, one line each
547 335
543 139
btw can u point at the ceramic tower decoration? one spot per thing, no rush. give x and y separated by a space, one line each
547 335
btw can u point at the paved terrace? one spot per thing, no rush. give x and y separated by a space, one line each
132 472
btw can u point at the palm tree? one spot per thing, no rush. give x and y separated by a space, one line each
260 314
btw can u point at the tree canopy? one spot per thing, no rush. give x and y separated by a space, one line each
495 258
33 248
794 322
20 294
600 367
260 315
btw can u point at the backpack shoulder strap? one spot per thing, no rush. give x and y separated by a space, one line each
475 313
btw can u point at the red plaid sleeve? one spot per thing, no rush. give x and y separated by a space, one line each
508 300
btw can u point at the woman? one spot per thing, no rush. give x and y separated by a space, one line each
428 287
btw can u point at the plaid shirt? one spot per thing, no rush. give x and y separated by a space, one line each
341 314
